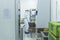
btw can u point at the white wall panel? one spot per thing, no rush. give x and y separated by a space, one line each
55 10
58 10
7 20
43 16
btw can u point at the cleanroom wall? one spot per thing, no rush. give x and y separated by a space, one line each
7 20
43 16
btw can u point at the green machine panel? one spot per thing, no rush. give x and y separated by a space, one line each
54 27
52 37
59 35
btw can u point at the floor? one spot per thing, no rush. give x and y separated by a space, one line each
29 36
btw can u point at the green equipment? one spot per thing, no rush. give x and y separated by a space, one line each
54 27
52 37
54 31
59 33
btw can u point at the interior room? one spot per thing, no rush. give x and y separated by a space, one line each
29 19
